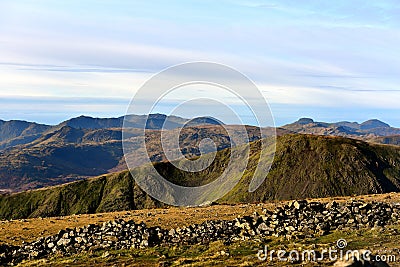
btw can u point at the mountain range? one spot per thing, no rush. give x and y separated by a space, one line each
365 131
16 132
35 155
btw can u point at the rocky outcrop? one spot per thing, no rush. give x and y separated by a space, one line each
299 219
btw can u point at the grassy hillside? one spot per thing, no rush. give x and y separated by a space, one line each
107 193
305 166
318 166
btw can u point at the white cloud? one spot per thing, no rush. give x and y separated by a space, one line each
309 54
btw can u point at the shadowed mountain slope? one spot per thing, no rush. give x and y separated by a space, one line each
304 166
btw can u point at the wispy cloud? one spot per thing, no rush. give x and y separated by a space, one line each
308 54
44 67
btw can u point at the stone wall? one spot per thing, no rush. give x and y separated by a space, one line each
297 220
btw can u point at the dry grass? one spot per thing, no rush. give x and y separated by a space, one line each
16 231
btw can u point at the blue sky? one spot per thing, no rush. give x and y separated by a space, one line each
329 60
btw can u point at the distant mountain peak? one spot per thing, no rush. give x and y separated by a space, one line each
86 122
157 115
374 123
204 121
304 121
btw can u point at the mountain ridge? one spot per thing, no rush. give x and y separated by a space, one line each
365 130
19 132
294 174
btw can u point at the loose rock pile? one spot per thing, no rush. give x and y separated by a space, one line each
297 220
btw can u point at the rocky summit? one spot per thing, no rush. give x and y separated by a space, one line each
296 220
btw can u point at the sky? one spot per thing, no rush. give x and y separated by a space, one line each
328 60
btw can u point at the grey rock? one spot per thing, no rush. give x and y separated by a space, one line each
63 242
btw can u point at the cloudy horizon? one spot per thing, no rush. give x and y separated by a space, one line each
328 61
